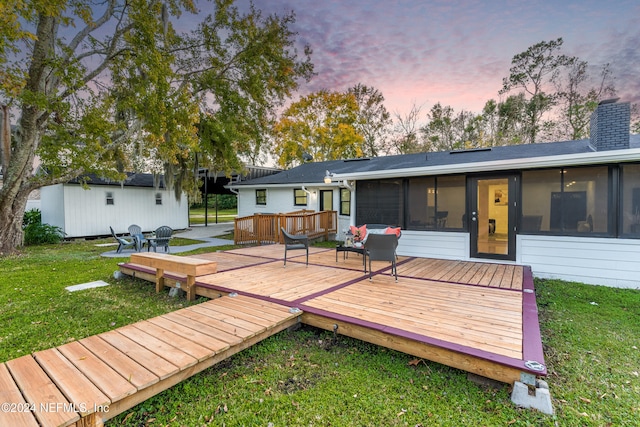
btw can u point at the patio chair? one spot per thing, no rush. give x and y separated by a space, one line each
136 232
122 242
382 247
292 242
161 239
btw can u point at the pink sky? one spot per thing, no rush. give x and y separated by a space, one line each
455 52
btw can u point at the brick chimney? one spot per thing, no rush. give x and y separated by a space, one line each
610 125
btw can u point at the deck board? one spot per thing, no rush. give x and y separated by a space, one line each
159 366
78 389
51 407
110 382
208 341
287 284
134 373
471 321
192 348
165 351
10 393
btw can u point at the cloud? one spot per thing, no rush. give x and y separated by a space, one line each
454 52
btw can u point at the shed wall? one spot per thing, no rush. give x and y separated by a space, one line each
86 213
52 205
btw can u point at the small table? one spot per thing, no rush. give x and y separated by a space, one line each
346 249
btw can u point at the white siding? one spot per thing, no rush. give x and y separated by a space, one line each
33 204
609 262
434 244
85 212
52 205
279 200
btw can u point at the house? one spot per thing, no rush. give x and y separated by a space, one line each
81 212
570 210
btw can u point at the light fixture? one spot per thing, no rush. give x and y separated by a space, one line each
327 177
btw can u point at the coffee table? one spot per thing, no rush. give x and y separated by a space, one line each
346 249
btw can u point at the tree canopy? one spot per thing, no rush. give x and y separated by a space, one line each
121 85
322 125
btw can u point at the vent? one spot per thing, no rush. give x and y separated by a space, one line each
359 159
470 150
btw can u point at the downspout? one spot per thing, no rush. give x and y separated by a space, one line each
348 185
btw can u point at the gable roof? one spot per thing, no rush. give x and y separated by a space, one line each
512 157
132 180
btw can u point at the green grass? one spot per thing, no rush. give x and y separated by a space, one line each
197 215
310 377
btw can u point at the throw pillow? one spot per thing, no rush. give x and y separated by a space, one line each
359 233
391 230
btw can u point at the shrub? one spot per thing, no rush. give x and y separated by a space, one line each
225 201
36 233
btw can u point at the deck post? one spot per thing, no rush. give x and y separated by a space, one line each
159 280
191 288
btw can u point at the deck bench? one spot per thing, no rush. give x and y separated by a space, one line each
191 267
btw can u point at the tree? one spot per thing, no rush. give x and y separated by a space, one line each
373 118
577 101
635 118
112 86
323 125
532 71
406 132
512 125
447 130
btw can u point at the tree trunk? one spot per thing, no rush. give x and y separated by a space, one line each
18 180
11 215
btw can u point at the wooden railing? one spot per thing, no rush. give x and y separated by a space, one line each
265 228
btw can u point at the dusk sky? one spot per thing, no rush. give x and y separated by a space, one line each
455 52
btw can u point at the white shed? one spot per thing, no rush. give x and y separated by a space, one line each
81 212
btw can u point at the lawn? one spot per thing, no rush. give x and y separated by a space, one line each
197 215
591 336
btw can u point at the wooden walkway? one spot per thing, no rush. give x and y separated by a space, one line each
86 382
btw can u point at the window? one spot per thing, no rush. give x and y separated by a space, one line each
436 203
566 201
451 194
421 204
109 195
345 201
380 202
158 198
299 197
630 200
261 197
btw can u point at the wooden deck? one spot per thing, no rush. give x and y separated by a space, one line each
479 317
86 382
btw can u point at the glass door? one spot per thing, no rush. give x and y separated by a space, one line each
492 217
326 200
